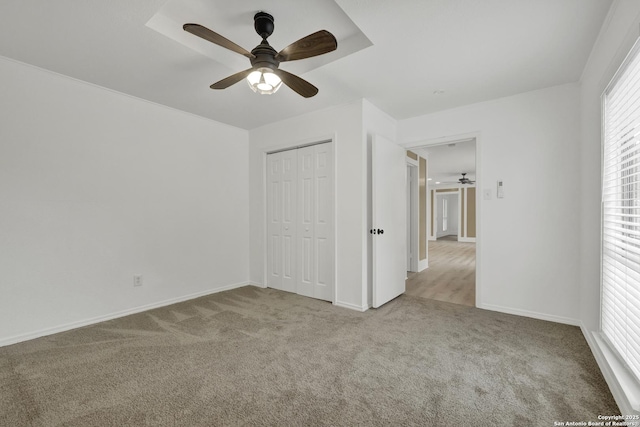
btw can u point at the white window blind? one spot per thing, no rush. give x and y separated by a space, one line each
621 213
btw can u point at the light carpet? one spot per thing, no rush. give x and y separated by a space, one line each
255 356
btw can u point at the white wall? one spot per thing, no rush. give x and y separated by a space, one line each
616 39
343 124
95 187
528 246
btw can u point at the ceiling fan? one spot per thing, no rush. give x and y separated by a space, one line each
264 76
465 180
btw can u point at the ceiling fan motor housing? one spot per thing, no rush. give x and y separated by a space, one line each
265 57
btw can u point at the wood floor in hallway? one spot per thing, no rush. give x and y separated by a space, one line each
451 275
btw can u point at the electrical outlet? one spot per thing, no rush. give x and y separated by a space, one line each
137 280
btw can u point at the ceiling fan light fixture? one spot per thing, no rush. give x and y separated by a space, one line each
264 81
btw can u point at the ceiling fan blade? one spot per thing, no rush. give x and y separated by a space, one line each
231 80
314 44
301 86
213 37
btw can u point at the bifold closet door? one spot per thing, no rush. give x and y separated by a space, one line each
315 219
281 220
300 247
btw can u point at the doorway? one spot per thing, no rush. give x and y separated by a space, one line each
450 274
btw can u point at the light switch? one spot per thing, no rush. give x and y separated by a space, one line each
500 189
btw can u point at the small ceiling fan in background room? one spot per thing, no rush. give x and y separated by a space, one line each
264 76
464 180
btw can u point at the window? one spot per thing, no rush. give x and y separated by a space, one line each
621 213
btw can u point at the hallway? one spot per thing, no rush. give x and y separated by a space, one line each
451 276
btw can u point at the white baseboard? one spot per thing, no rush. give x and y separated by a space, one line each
74 325
256 284
532 314
351 306
467 239
423 264
609 366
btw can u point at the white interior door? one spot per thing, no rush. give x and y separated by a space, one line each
315 213
281 220
306 199
388 231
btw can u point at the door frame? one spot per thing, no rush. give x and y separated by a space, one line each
479 232
330 139
413 214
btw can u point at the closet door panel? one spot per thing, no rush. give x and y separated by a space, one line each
289 223
274 215
305 224
323 222
281 220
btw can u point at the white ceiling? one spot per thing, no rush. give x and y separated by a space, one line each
447 162
473 50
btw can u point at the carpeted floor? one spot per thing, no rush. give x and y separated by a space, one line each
255 356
